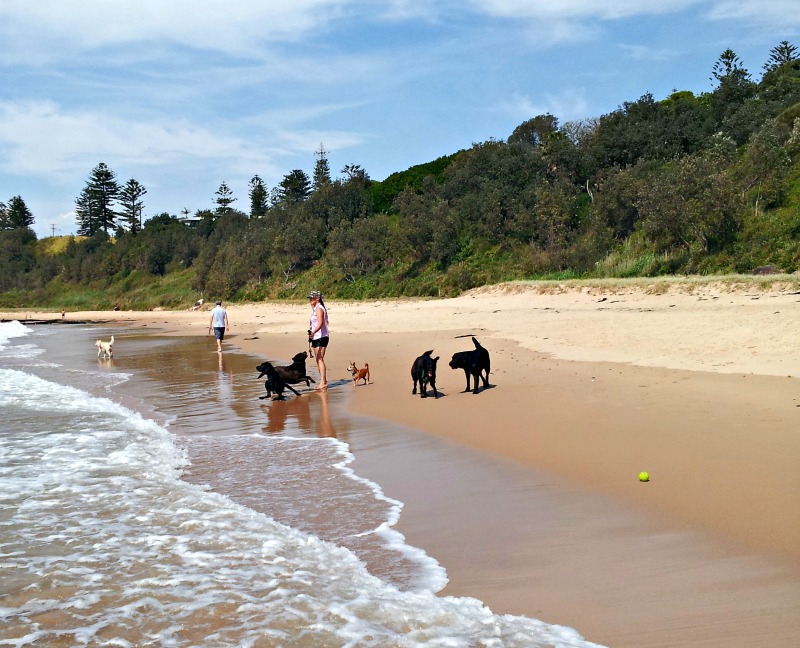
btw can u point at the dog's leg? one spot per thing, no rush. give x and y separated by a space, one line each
288 386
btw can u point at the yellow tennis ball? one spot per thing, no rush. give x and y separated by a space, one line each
643 477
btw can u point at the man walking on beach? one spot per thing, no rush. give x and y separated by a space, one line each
219 322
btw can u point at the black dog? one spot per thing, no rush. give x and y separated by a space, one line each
423 371
274 383
295 373
474 363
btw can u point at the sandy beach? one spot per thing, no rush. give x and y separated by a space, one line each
697 384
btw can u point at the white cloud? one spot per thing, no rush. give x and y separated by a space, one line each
41 140
579 9
645 53
566 105
44 31
778 13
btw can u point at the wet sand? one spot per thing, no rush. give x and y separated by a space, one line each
527 492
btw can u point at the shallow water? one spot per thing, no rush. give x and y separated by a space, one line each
153 499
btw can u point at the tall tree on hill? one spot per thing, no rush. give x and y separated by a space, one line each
94 207
130 197
736 116
258 197
782 53
534 130
18 214
224 199
86 213
295 187
322 170
355 174
4 222
734 83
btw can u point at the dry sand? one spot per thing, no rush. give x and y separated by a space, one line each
697 384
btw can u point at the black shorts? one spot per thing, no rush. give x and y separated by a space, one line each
219 332
320 342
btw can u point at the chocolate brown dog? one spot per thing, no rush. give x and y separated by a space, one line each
295 373
359 374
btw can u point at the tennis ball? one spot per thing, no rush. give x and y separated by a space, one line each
643 477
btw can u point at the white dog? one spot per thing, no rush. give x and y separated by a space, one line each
105 349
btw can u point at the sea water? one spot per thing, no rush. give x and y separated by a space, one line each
112 532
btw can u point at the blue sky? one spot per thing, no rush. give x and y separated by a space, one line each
184 94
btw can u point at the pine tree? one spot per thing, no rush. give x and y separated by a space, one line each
322 170
295 187
18 214
258 197
86 213
224 199
130 196
783 53
94 207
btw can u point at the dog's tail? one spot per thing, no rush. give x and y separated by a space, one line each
111 341
476 343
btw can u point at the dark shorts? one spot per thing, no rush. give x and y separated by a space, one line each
320 342
219 332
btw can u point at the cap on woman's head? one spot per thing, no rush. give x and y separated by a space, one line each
219 302
314 293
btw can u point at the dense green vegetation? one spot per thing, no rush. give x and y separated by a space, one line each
706 184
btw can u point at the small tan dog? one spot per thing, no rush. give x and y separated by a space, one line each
359 374
105 349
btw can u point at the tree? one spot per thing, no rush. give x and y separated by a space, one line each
224 199
258 197
534 130
322 170
294 188
132 205
94 207
18 214
105 191
356 173
729 66
5 224
85 212
783 53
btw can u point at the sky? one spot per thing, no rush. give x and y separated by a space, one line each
183 95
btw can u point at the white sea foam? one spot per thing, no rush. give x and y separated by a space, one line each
12 329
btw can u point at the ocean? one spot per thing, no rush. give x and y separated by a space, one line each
154 500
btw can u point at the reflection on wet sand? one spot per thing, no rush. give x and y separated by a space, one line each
281 412
224 381
325 428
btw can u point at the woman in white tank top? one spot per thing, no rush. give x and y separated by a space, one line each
318 335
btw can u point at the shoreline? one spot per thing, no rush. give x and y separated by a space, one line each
702 390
